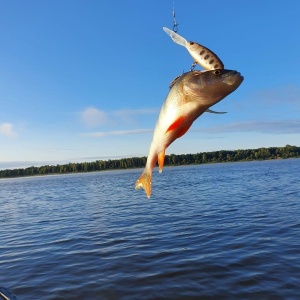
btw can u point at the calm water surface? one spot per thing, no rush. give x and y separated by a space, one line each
220 231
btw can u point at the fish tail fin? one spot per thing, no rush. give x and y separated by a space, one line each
175 37
145 182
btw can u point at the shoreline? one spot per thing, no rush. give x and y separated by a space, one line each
141 168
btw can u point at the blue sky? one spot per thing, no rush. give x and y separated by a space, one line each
85 80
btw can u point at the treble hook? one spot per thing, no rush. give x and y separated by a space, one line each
194 64
175 27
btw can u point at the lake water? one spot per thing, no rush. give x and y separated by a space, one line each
218 231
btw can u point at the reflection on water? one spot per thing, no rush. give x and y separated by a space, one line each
221 231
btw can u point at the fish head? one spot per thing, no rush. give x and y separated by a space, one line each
209 87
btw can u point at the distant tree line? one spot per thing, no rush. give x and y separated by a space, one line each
170 160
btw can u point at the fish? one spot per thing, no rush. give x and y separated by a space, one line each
191 95
202 55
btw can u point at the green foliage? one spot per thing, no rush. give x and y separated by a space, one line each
170 160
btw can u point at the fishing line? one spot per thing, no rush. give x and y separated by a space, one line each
175 24
175 29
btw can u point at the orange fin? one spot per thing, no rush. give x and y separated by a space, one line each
183 130
161 160
178 122
145 182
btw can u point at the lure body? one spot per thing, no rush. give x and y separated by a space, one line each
201 55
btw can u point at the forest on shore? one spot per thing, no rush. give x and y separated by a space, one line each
170 160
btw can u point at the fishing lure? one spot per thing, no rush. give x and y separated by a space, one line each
202 55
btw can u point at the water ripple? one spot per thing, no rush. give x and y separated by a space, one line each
223 231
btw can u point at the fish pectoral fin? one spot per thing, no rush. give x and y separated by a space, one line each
145 182
176 124
161 160
179 126
182 131
215 112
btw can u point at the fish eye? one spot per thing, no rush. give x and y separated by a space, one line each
217 72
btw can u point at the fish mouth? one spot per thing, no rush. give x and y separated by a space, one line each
232 78
239 74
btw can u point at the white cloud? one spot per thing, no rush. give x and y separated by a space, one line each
267 127
7 129
118 132
125 113
93 117
272 127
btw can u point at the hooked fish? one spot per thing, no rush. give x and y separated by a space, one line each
202 55
190 95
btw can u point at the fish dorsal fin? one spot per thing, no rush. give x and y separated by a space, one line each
175 80
215 112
